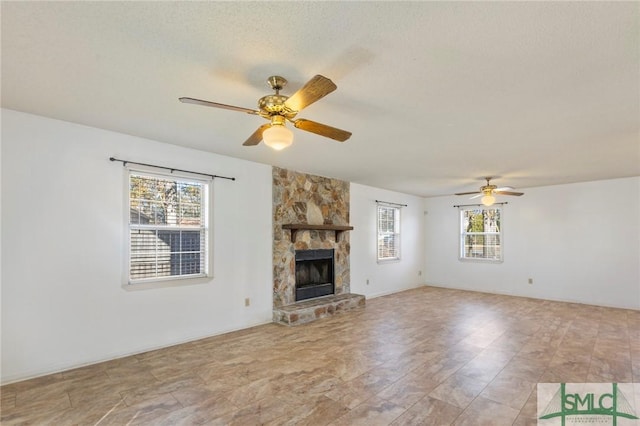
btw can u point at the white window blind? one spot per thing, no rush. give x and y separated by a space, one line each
481 233
388 219
168 227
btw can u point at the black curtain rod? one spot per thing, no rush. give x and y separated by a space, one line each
481 205
388 202
125 162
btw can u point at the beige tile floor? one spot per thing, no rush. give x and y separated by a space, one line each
426 356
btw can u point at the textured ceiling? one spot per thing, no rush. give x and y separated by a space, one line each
437 94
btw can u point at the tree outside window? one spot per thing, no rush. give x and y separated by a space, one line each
388 233
481 234
167 227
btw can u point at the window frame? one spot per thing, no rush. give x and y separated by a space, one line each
396 233
206 217
462 233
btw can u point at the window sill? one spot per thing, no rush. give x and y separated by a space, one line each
390 260
463 259
169 282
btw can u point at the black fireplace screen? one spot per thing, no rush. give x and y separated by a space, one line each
314 273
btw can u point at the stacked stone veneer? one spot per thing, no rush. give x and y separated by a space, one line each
307 199
313 309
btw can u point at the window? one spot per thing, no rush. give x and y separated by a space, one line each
388 233
481 234
168 227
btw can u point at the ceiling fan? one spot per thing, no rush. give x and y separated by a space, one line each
278 109
488 191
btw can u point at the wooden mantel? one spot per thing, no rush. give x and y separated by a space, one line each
295 227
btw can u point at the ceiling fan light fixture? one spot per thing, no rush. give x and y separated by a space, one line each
487 191
277 137
488 200
277 108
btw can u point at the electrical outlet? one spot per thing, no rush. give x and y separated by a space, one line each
247 302
530 280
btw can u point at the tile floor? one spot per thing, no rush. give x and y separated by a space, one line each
426 356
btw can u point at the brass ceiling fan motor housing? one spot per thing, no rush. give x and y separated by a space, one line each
488 188
271 105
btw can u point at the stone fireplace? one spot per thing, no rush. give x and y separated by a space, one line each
310 224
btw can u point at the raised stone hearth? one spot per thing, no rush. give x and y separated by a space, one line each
313 309
309 213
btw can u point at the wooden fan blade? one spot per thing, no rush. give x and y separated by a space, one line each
508 193
322 129
256 137
217 105
315 89
504 188
477 196
467 193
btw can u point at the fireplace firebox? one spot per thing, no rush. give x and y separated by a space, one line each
315 275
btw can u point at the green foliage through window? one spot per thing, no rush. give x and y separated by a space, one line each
167 227
481 234
388 218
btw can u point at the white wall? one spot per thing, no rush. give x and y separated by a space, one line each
579 243
62 244
388 277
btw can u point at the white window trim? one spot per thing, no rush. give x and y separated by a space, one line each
398 233
461 235
151 283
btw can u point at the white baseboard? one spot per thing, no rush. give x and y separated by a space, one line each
550 299
397 290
